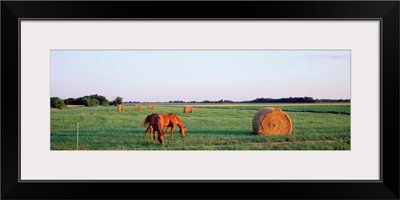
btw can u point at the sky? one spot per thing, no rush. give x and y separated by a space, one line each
198 75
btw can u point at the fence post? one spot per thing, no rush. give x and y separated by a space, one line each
77 136
294 131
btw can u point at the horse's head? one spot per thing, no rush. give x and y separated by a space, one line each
160 138
182 131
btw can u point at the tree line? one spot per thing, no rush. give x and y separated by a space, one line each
88 100
98 100
270 100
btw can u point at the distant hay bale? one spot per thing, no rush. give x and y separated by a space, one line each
120 107
137 107
150 106
271 121
187 109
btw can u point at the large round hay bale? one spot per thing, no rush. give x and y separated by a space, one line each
187 109
150 106
271 121
120 107
137 107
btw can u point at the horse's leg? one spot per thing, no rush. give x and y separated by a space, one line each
161 137
165 131
154 137
147 130
172 132
151 131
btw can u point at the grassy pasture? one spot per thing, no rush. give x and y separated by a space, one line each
209 127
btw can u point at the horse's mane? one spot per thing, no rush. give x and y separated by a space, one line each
175 117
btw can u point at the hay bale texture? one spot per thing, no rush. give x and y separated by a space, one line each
120 107
137 107
150 106
187 109
271 121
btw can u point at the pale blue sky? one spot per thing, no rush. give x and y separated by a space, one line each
192 75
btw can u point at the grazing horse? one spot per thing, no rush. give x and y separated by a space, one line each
156 121
147 121
170 121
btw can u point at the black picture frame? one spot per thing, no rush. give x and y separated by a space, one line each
386 11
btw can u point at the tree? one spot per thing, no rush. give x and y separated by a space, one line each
118 100
56 102
91 101
94 100
101 99
69 101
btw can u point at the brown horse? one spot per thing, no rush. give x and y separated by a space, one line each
150 127
156 121
170 121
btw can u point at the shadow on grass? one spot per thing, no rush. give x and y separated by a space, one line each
220 132
176 132
100 131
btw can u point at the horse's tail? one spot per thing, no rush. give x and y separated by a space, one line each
146 121
143 124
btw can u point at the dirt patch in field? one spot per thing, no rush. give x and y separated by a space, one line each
75 106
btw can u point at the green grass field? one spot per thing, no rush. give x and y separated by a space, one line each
216 127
